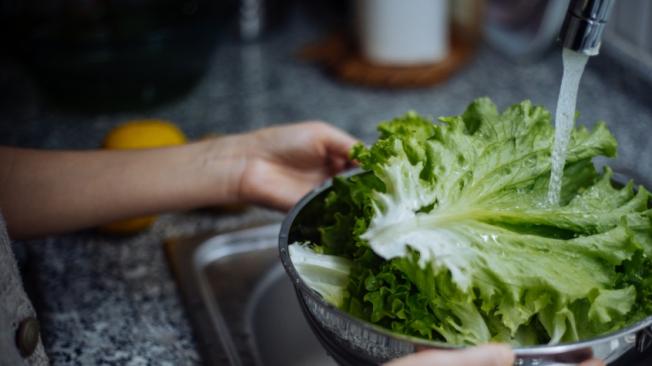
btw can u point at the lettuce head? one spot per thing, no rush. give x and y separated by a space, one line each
448 235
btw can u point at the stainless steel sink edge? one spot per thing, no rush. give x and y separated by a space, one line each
217 248
192 274
254 300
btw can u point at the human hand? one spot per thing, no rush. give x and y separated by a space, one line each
593 362
486 355
283 163
46 192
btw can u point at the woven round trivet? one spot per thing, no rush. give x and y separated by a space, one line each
340 55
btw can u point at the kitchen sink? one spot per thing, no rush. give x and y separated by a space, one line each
243 307
274 307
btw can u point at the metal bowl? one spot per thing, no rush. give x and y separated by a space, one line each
353 341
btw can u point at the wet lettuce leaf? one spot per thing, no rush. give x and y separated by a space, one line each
448 235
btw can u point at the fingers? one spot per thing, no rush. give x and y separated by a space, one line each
288 161
487 355
593 362
340 143
316 140
337 165
337 142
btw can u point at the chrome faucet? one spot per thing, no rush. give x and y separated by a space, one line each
584 25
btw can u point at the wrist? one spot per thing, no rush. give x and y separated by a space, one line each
222 163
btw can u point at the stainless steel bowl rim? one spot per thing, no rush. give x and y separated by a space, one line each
538 350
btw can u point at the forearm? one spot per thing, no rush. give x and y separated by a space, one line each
49 192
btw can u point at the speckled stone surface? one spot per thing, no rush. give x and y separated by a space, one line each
111 301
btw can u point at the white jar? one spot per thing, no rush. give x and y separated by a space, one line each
403 32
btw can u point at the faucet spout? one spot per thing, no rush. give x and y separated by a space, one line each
584 25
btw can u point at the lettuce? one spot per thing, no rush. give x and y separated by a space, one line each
448 235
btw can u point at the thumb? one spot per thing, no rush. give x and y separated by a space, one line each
592 362
486 355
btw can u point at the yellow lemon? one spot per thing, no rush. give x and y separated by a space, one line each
143 134
140 134
128 226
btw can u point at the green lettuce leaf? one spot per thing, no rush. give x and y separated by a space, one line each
450 236
326 274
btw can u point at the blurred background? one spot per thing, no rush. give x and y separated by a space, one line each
70 70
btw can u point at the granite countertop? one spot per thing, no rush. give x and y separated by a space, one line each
106 300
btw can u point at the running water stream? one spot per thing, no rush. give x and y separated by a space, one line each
574 63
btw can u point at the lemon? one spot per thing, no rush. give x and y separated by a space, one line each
128 226
143 134
140 134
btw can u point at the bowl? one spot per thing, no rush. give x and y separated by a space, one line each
352 341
